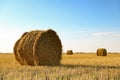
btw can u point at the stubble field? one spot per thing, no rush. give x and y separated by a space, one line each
73 67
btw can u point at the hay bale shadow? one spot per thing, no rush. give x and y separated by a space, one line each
90 66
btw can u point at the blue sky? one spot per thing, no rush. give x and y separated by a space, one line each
83 25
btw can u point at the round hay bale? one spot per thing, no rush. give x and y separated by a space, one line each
17 56
38 47
101 52
69 52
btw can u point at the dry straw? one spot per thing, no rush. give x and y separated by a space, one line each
38 47
101 52
69 52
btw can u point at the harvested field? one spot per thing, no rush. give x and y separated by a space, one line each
75 67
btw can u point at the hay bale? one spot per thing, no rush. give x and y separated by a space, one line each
69 52
18 56
101 52
38 47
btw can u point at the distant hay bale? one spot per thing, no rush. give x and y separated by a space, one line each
38 47
69 52
101 52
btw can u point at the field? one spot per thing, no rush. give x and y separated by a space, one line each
73 67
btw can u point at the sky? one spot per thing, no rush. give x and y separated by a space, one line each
82 25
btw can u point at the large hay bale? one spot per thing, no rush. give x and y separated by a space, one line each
69 52
101 52
38 47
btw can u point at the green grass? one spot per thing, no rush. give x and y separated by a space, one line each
73 67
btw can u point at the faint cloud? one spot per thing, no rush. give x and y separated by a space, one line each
102 33
112 34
